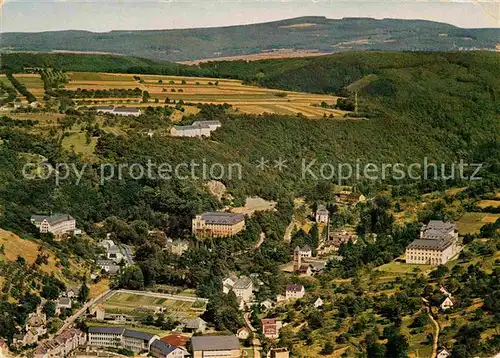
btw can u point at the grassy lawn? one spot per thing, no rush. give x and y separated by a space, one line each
399 267
470 223
78 141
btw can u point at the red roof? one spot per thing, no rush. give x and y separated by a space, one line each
175 340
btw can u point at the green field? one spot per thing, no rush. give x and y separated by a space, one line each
471 223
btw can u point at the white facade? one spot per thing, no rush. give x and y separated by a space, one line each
197 129
294 291
56 224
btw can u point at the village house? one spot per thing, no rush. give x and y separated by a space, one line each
63 303
350 197
196 325
243 288
34 328
294 291
305 270
98 312
446 304
119 111
271 328
215 347
318 303
197 129
443 354
160 349
278 353
62 345
322 215
56 224
438 243
217 224
243 333
108 266
176 340
71 292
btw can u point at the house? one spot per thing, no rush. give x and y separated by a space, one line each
118 337
446 304
228 283
177 247
299 254
98 312
197 129
278 353
271 328
267 304
34 327
322 214
62 345
196 325
63 303
443 354
56 224
215 347
176 340
243 333
318 303
4 348
437 244
108 266
243 288
217 224
294 291
305 270
160 349
305 251
119 111
72 291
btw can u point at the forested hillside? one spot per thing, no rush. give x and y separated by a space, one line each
304 33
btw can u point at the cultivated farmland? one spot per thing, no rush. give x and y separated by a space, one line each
243 98
137 304
33 83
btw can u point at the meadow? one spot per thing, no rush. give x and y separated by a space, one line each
471 223
243 98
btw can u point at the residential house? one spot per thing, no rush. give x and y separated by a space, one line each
215 347
196 325
34 328
72 291
228 283
243 288
177 247
446 304
108 266
305 270
197 129
443 354
160 349
318 303
63 303
294 291
278 353
438 243
322 215
305 251
267 304
243 333
56 224
271 327
62 345
217 224
176 340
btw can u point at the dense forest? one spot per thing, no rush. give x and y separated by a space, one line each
318 34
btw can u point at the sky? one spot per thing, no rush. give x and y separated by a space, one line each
107 15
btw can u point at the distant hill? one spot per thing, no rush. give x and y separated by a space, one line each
304 34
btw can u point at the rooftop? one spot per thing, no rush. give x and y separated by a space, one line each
294 288
107 330
222 218
52 219
214 343
138 335
175 340
242 283
438 244
163 347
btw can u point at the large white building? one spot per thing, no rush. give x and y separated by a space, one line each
197 129
118 337
119 111
56 224
437 244
217 224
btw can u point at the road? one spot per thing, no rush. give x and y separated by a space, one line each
128 254
69 321
436 333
